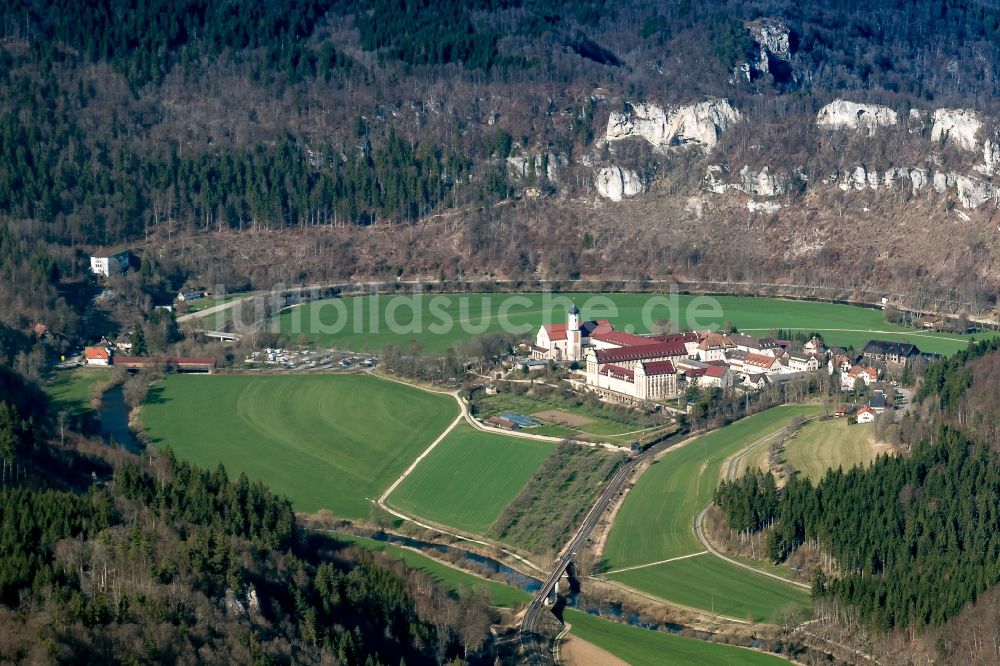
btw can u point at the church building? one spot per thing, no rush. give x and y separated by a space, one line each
566 342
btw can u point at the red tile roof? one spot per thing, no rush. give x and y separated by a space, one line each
652 368
556 331
717 371
658 350
96 353
690 336
587 329
618 372
620 338
759 360
858 370
716 341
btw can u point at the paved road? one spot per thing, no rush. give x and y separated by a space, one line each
529 621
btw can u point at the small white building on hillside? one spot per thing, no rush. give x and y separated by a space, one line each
107 264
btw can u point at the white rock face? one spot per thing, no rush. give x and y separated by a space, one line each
762 183
973 192
841 114
860 178
956 126
942 181
772 37
699 124
763 206
771 34
991 159
549 165
615 183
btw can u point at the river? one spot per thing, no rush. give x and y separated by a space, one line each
114 420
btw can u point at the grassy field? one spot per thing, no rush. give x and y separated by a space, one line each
641 646
601 427
714 585
829 444
439 324
469 478
70 390
325 441
455 580
656 520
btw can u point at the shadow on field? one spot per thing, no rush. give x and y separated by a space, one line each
155 396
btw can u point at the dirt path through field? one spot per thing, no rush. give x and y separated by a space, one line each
578 652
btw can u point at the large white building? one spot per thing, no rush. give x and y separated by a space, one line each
625 367
566 342
109 263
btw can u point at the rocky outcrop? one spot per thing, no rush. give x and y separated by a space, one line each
841 114
973 192
537 166
991 159
957 127
772 35
763 206
616 183
762 183
772 38
694 124
860 178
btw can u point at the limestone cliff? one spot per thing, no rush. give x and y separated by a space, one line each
956 126
697 124
615 183
841 114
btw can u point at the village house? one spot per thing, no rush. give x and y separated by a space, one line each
865 415
756 363
97 355
839 363
890 353
802 363
751 345
716 376
849 378
877 403
188 296
714 346
814 346
107 264
756 381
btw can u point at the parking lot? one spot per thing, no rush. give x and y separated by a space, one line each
278 358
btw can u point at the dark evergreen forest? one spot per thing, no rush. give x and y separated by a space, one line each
915 538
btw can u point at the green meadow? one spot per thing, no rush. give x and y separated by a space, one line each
469 478
69 390
656 520
656 523
439 321
640 647
455 580
326 441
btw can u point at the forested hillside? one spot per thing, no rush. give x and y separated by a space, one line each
910 541
166 563
482 128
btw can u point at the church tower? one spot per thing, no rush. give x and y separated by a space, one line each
574 345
